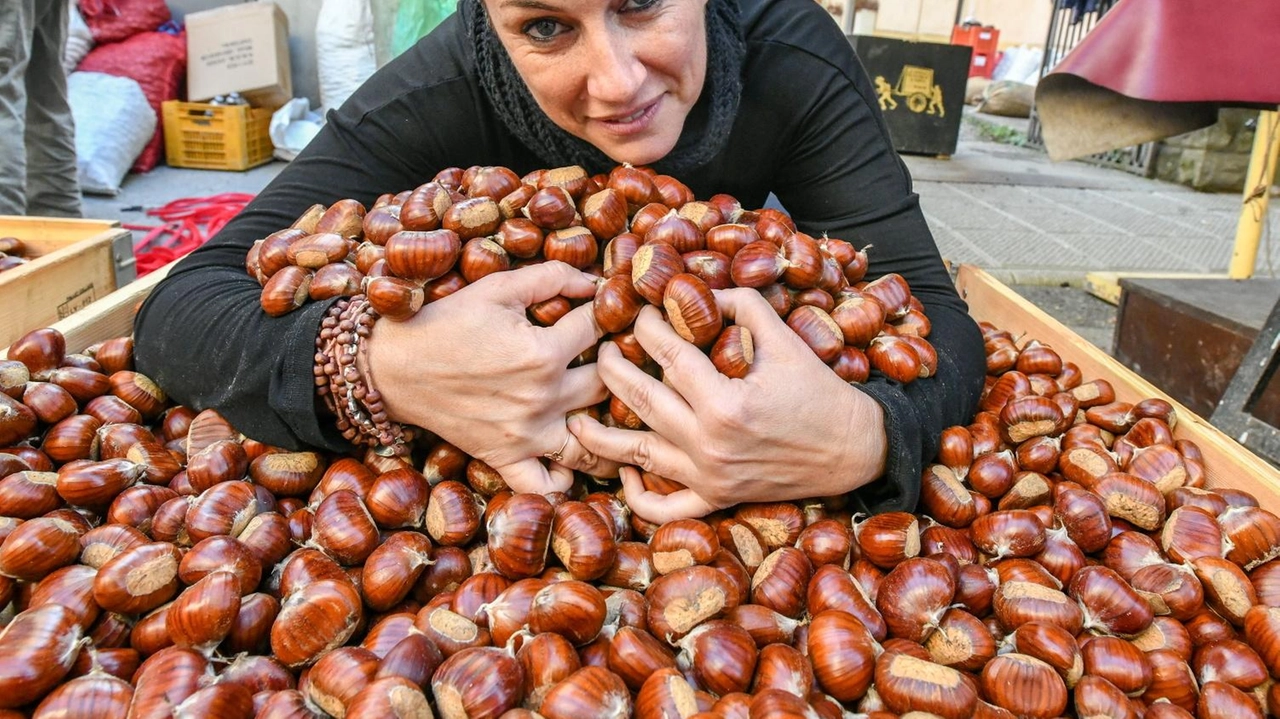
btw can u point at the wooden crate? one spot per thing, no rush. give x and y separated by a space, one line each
78 262
112 316
1227 463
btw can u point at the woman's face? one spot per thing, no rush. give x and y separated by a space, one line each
620 74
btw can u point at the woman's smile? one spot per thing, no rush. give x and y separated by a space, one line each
633 122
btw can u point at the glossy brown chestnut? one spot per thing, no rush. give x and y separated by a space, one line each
692 309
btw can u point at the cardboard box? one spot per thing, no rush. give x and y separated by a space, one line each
240 48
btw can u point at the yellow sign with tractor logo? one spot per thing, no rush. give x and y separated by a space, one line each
917 86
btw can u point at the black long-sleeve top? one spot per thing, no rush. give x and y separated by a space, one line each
808 130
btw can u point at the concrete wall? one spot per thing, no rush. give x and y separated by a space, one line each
1021 22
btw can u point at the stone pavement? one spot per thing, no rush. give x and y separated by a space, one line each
1027 220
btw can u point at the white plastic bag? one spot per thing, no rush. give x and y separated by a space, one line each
293 126
1019 64
114 122
79 40
344 29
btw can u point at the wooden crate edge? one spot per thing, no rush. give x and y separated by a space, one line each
106 237
54 222
111 316
1227 462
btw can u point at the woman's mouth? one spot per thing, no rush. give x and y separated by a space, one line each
632 122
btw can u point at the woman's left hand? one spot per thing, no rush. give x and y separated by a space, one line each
791 429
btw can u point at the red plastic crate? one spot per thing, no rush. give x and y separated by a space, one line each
985 41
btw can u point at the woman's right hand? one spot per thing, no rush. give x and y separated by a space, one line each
473 370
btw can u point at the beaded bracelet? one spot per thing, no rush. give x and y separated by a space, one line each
348 394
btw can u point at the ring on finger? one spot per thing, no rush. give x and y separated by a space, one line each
558 455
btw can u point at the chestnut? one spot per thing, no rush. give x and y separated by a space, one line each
1024 685
652 267
605 214
616 304
728 239
758 264
733 352
550 208
39 646
907 683
888 539
478 681
582 541
692 309
618 254
520 535
481 257
635 186
818 331
685 598
914 596
590 691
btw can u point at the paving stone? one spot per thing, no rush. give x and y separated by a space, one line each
1045 232
956 247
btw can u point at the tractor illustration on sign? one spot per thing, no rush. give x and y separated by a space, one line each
916 84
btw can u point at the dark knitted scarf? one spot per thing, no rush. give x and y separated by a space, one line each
705 132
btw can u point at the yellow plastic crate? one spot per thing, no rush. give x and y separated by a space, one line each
216 137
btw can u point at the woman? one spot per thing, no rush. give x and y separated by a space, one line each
736 96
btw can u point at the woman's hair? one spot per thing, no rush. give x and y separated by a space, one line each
705 132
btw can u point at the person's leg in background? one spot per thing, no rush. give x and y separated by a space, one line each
17 24
52 186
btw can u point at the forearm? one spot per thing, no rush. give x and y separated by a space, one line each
915 414
203 336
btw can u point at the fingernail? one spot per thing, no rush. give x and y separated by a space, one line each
574 423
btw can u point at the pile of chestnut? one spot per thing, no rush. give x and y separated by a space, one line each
643 234
1066 561
13 253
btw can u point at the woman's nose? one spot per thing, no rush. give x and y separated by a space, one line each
615 71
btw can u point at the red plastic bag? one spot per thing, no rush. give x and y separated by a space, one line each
116 20
158 61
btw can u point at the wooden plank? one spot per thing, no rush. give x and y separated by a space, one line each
1241 306
48 234
75 265
112 316
1227 463
1106 285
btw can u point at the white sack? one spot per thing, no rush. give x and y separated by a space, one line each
344 33
79 40
114 122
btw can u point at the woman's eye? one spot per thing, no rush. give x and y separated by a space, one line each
639 5
542 30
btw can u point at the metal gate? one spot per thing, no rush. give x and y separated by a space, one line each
1067 27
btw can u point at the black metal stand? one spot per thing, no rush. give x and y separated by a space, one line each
1233 414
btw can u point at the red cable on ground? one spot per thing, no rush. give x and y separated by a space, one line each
188 223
